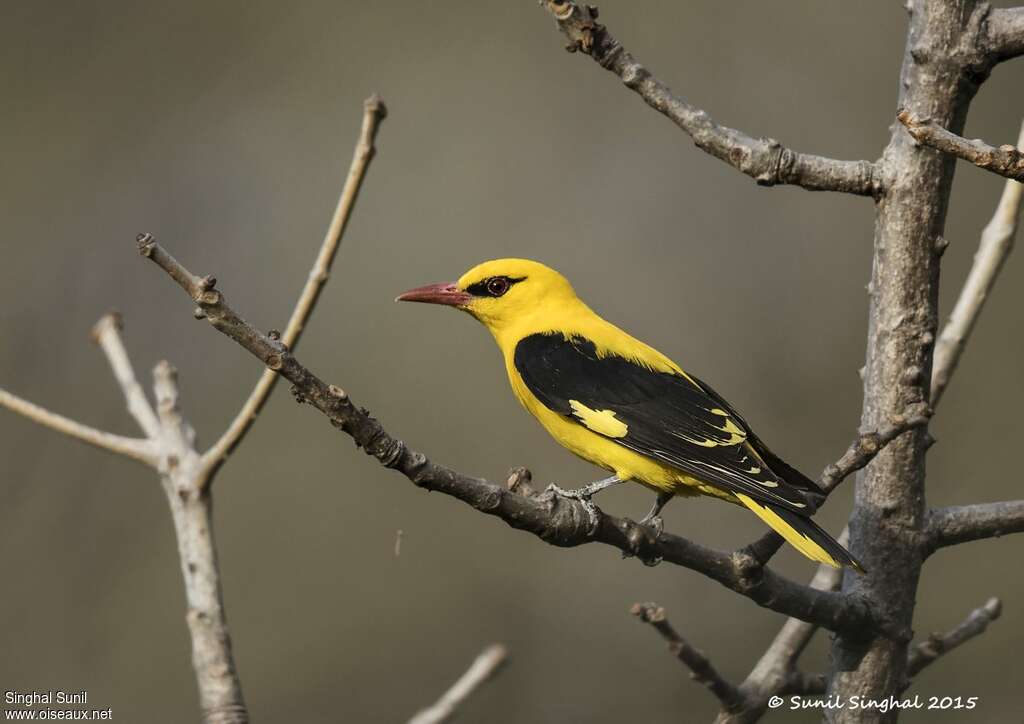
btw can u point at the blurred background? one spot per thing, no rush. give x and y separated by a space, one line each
226 130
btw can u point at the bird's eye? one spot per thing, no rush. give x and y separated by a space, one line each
496 286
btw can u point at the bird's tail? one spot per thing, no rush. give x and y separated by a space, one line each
803 534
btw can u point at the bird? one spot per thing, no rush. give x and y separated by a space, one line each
623 406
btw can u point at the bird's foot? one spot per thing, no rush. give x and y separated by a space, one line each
655 522
653 517
583 496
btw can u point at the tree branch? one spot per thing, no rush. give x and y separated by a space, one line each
178 433
964 523
170 449
995 246
928 651
764 159
1006 160
483 668
220 689
185 475
374 111
1005 38
133 448
107 334
776 671
558 521
701 669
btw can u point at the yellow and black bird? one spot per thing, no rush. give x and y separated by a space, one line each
622 405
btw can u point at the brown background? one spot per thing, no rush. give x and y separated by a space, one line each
225 129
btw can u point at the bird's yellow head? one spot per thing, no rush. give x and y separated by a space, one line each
501 292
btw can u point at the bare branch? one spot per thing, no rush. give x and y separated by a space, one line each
556 520
964 523
483 668
107 333
764 159
861 452
134 448
993 249
1005 37
867 445
220 689
1006 160
170 449
176 430
701 669
776 671
374 112
787 646
936 645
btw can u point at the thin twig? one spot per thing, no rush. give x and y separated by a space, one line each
107 334
175 428
764 159
130 447
374 112
700 667
928 651
867 445
556 520
995 246
965 523
483 668
1006 160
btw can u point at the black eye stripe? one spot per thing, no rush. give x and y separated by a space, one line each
495 286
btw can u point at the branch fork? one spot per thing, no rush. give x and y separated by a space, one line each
168 444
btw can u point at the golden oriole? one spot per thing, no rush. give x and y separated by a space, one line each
622 405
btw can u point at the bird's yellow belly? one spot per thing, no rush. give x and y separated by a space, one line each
610 455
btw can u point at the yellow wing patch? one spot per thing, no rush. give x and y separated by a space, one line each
602 422
734 434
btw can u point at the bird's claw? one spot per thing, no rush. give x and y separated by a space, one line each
593 513
655 522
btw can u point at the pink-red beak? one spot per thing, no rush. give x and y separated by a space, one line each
446 293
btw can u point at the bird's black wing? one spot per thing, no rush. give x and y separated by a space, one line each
810 489
666 416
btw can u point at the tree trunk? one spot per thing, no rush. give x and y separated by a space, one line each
940 75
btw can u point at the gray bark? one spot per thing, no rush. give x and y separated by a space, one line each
944 63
